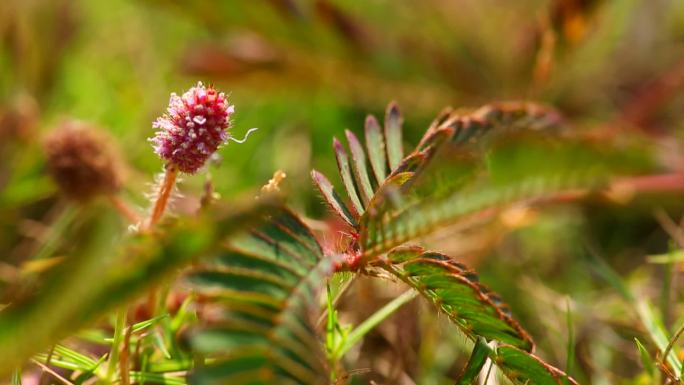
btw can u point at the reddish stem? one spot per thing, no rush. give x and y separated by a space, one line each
165 190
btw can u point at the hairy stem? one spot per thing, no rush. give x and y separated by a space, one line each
165 190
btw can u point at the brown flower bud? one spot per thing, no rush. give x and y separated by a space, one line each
82 161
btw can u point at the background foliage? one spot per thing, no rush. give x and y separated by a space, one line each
577 277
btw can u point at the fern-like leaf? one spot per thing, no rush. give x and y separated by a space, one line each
456 290
516 168
384 153
264 285
479 313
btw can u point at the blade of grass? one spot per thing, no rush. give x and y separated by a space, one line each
86 362
157 378
658 334
16 377
142 325
119 329
374 320
57 228
671 257
646 359
159 343
644 311
570 351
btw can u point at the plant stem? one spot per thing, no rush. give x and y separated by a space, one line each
16 377
374 320
52 372
123 360
43 377
340 292
119 353
119 330
570 349
165 190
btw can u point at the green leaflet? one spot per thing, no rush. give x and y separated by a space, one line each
360 169
331 197
519 366
266 284
525 368
375 145
345 173
456 290
475 363
393 135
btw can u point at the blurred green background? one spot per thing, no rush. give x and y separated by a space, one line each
304 70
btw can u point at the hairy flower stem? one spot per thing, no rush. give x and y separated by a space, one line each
165 189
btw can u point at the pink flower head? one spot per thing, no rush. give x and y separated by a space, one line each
193 128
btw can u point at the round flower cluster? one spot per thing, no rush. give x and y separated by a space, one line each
193 128
82 161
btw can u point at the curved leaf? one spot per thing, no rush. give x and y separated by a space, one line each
264 285
503 116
